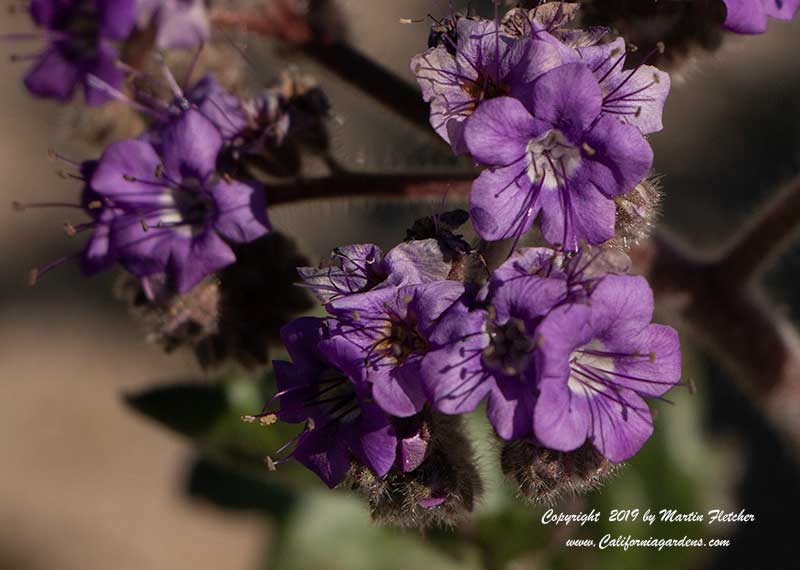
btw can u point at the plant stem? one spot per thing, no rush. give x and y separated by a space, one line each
371 185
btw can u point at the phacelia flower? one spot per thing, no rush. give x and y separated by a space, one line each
178 23
557 154
380 337
488 352
341 419
80 35
750 16
596 363
486 63
167 212
361 267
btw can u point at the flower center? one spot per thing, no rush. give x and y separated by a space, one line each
510 347
590 367
481 89
551 158
404 339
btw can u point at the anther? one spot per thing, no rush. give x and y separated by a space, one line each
129 178
661 47
33 277
588 149
652 357
70 230
269 463
145 227
95 205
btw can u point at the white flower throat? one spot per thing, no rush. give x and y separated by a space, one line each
551 157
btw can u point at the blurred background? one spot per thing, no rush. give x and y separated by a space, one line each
86 483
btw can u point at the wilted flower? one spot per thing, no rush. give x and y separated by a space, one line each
361 267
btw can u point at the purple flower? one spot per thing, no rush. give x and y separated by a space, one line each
340 417
167 212
80 33
178 23
380 337
487 64
596 363
750 16
488 352
567 160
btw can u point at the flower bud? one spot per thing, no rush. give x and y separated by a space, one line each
441 491
637 211
543 475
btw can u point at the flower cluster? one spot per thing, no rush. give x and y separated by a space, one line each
553 115
550 333
557 341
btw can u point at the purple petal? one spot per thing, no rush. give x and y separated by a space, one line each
376 441
575 214
219 106
782 9
126 173
622 424
454 378
654 364
746 16
103 66
567 98
53 76
182 24
497 133
509 408
143 253
529 59
301 338
117 18
398 391
527 298
412 452
561 418
503 203
241 211
194 259
325 452
190 146
622 306
620 157
97 255
637 97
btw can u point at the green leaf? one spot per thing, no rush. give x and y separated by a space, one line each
189 408
233 487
